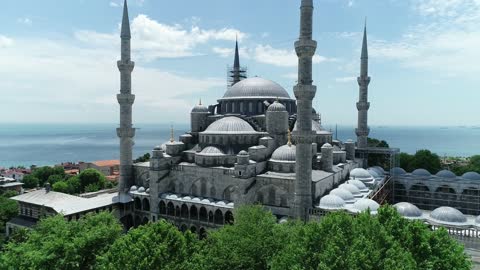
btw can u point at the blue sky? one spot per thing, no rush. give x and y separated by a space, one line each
59 57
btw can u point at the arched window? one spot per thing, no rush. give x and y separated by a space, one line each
213 192
138 204
162 207
271 196
146 205
170 209
219 217
193 212
184 211
203 187
195 190
250 107
203 214
260 107
228 217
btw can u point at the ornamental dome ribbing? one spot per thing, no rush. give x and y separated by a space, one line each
366 204
408 210
446 174
284 153
332 202
276 107
211 151
353 189
230 125
359 184
256 87
448 215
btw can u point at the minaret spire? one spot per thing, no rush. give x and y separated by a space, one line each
236 61
125 132
363 105
304 92
237 73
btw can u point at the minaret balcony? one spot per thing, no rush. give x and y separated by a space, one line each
302 91
362 132
127 99
305 47
125 132
363 106
126 65
363 80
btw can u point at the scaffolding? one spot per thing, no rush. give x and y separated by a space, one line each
235 75
392 153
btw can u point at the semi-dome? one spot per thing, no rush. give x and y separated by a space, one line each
286 152
332 202
346 195
398 171
256 87
448 215
446 174
276 107
471 176
359 184
408 210
230 124
379 170
361 174
212 151
353 189
421 172
366 204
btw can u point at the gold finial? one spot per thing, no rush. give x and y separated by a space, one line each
289 143
200 102
171 134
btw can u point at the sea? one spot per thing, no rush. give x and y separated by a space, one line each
49 144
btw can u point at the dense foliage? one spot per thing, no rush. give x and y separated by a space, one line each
89 180
43 174
472 166
59 244
255 241
143 158
8 209
423 159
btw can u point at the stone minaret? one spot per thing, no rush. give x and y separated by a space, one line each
304 92
125 132
363 105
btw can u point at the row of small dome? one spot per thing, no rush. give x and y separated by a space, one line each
442 174
139 189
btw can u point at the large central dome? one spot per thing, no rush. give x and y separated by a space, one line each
256 87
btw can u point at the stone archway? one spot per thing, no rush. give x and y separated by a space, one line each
229 217
184 211
138 204
162 208
146 204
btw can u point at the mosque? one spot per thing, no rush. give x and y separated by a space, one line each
258 144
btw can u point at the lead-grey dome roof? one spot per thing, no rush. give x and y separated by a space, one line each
471 176
352 188
346 195
408 210
448 215
212 151
359 184
360 174
365 204
421 172
199 108
398 171
332 202
446 174
256 87
284 153
276 107
230 124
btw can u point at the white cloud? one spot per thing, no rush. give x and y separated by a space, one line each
80 85
25 20
346 79
5 41
115 4
281 57
223 52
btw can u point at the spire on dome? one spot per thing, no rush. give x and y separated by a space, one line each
125 32
236 73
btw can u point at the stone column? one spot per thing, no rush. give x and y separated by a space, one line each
327 158
363 105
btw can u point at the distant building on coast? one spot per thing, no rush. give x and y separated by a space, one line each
109 168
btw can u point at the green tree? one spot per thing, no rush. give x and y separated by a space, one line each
8 209
426 160
73 185
59 244
61 186
30 181
406 161
91 176
43 173
157 245
54 178
143 158
378 159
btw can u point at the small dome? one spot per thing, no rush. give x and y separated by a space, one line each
276 107
196 199
141 189
256 87
359 184
327 145
133 188
211 151
346 195
147 191
421 172
373 173
199 108
353 189
243 153
157 148
187 198
379 170
361 174
206 201
230 124
408 210
332 202
398 171
365 204
284 153
471 176
448 215
446 174
221 203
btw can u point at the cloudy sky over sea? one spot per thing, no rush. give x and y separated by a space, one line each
59 57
